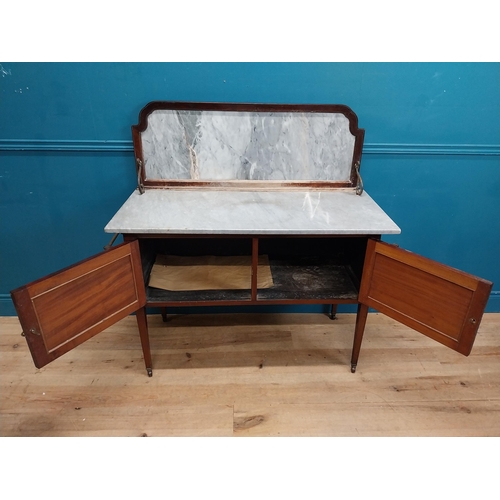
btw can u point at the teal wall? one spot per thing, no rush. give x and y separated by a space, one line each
431 156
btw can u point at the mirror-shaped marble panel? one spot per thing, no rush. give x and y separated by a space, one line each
218 145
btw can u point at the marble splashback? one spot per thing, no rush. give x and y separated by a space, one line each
218 145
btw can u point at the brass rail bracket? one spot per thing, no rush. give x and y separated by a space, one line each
359 186
140 185
110 244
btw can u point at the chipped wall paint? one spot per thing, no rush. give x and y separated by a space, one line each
4 72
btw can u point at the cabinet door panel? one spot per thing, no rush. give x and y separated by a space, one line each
441 302
64 309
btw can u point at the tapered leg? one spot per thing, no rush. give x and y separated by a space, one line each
358 334
333 311
142 323
163 311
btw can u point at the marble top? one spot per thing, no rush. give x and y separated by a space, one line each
183 211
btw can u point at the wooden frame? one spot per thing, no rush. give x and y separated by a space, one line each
253 298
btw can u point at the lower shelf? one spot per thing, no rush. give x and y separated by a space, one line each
158 295
310 279
296 279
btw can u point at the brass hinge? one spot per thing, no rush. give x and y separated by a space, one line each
359 184
140 185
31 330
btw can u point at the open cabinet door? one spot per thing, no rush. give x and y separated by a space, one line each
64 309
439 301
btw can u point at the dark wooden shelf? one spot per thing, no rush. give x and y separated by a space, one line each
310 279
295 279
157 295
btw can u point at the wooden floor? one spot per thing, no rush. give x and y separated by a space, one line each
253 375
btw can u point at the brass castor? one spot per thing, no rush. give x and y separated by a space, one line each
150 372
353 368
333 311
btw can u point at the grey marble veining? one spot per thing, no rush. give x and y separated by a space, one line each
180 211
214 145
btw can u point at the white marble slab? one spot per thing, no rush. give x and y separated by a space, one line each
182 211
224 145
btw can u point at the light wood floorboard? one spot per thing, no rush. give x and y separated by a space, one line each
253 375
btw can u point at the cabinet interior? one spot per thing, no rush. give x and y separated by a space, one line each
304 269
